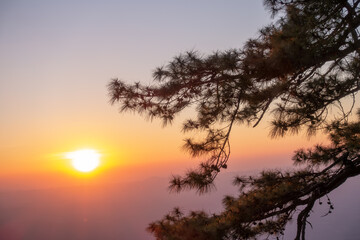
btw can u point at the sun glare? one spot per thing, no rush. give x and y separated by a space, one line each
84 160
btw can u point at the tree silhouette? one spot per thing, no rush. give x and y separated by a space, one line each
296 70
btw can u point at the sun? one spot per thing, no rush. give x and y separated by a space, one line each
84 160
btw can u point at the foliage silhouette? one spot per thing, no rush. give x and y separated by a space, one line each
296 70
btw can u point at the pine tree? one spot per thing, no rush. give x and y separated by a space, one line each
296 70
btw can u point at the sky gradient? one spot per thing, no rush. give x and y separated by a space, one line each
56 60
58 57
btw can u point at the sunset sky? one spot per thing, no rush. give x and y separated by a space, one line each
58 56
56 59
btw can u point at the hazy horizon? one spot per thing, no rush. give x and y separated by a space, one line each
123 211
57 58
